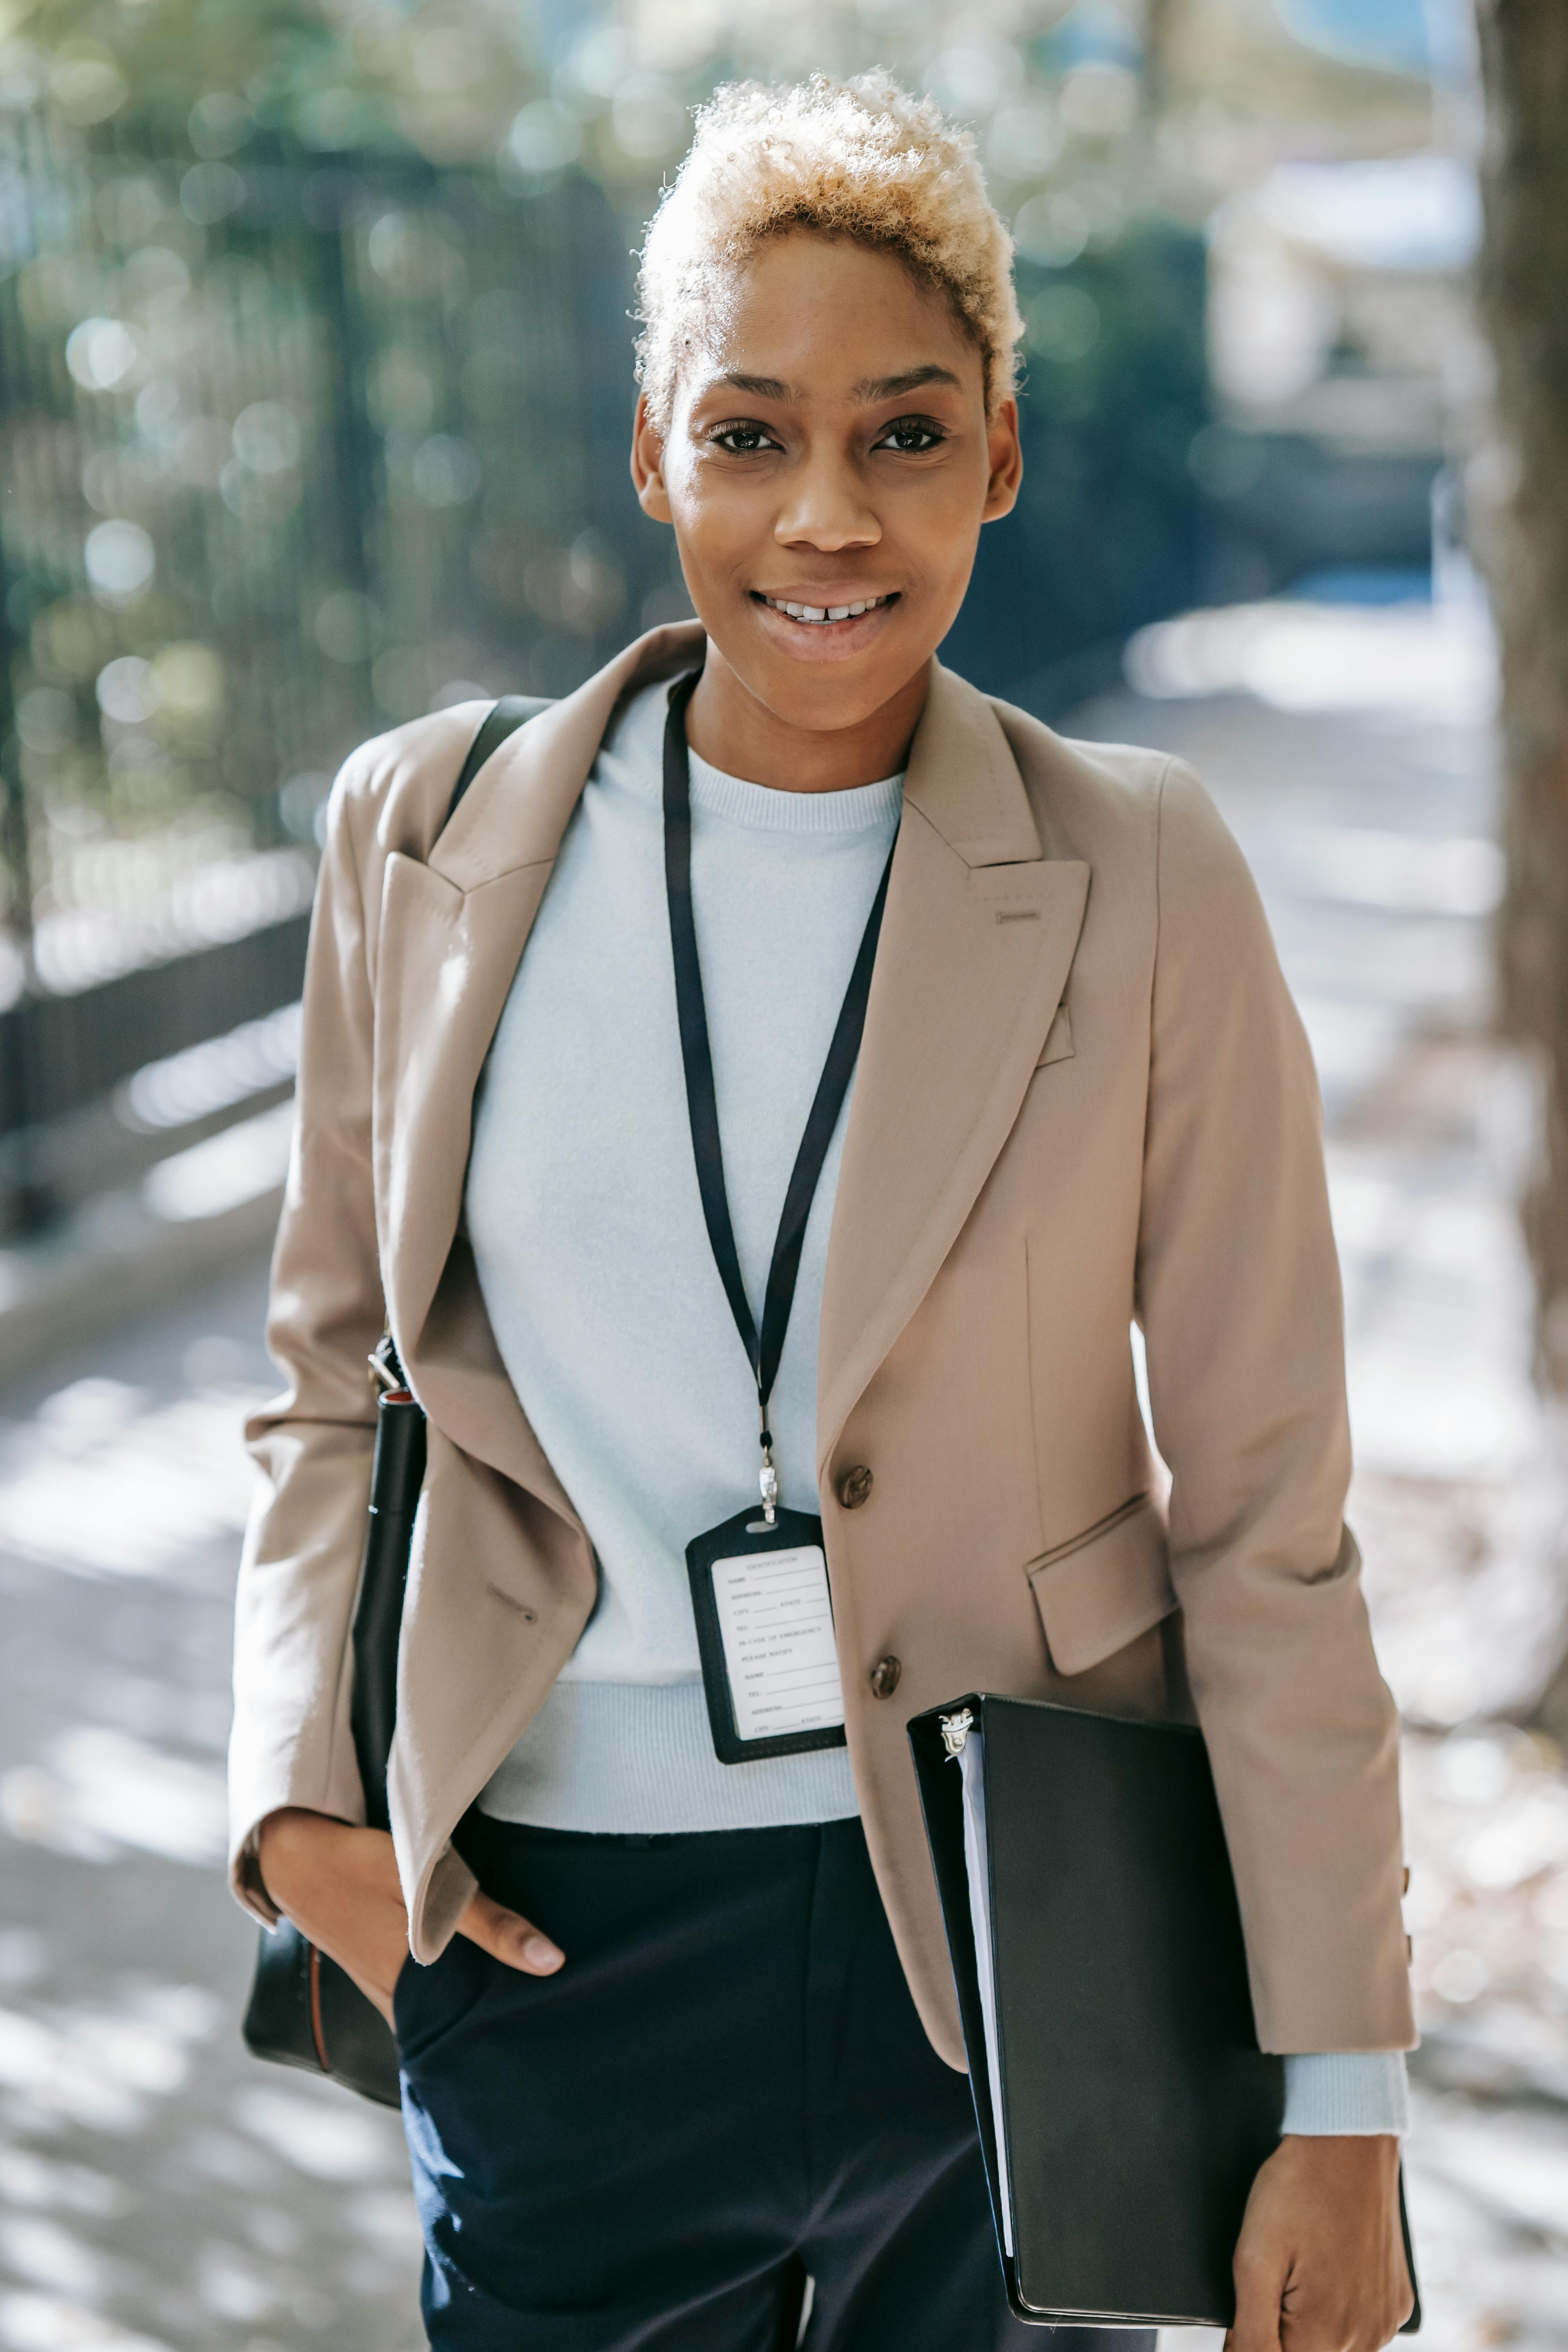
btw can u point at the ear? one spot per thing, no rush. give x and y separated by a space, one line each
1006 457
647 466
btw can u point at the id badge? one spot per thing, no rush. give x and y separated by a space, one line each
764 1634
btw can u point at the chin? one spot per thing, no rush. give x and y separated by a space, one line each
819 703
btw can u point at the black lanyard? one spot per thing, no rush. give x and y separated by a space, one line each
763 1347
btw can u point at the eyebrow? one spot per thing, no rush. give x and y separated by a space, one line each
885 387
891 387
761 387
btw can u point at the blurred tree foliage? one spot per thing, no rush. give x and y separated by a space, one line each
1104 536
443 80
317 374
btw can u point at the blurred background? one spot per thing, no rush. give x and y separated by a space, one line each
314 395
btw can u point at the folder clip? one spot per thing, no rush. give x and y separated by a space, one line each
955 1730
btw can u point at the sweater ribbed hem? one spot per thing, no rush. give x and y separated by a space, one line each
637 1758
1356 2092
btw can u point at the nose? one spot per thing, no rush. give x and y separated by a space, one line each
825 507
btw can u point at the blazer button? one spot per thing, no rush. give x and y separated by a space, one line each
885 1674
853 1486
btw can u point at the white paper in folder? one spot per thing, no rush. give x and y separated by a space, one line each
977 1866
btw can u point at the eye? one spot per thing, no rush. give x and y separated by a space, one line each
741 440
910 437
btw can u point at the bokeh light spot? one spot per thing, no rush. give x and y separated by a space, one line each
121 560
100 353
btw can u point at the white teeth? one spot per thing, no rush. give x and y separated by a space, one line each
818 615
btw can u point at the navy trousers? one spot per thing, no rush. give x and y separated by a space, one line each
723 2093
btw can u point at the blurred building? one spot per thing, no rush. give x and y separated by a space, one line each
1344 370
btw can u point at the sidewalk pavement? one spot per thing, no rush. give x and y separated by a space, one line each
160 2192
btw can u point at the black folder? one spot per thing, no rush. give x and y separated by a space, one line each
1123 2102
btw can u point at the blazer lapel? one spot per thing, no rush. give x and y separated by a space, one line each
452 929
977 941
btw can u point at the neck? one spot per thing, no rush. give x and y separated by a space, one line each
727 727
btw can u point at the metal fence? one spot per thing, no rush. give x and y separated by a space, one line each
289 454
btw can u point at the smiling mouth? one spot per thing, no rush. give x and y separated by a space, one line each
820 616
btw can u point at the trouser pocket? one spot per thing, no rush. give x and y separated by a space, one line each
431 2004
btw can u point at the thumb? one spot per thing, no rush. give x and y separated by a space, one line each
1259 2286
509 1937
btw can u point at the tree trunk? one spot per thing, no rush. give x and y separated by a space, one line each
1523 288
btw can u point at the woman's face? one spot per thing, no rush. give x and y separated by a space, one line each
828 449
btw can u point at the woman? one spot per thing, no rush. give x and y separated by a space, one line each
674 2027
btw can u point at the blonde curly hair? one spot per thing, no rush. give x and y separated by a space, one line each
858 159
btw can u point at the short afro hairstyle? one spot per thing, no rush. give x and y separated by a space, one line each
858 159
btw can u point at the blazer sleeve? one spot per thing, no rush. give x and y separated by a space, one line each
298 1575
1238 1294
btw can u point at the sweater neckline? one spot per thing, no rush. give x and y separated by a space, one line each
859 808
760 808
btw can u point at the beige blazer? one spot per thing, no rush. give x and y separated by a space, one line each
1084 1096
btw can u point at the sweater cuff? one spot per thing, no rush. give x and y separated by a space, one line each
1351 2091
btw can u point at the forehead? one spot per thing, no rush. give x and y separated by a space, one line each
827 316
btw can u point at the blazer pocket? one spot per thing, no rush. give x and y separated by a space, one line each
1107 1586
1058 1046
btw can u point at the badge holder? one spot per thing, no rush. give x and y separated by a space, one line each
764 1635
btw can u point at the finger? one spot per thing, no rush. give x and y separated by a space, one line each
510 1937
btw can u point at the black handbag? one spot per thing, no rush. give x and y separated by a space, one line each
304 2011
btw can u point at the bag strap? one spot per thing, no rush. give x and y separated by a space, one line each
501 719
397 1469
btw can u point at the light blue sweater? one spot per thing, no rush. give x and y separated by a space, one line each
594 1260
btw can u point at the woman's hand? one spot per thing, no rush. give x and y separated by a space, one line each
1320 2265
340 1887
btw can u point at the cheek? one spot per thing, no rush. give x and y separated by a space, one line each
717 523
938 532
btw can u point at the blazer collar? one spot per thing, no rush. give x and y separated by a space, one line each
519 805
963 779
961 775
